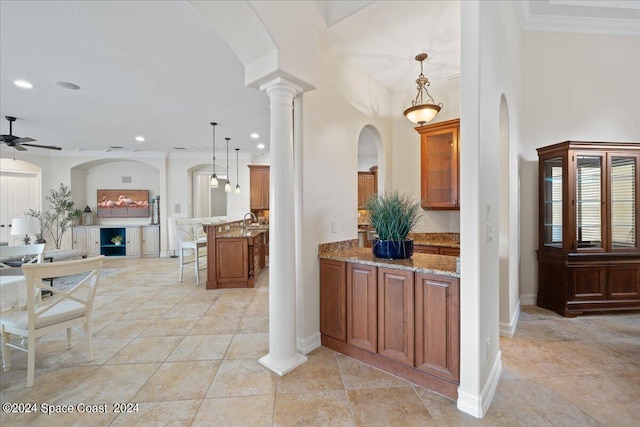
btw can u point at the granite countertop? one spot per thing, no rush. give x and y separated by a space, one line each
443 240
238 232
420 263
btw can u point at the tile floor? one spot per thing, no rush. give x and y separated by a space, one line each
188 357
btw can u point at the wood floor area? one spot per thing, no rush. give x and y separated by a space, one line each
188 357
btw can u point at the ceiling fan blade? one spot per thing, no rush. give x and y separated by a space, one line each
25 139
18 147
49 147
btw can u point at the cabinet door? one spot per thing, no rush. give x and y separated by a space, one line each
439 165
132 235
424 249
93 241
265 188
259 187
396 315
150 241
624 202
623 281
362 319
333 299
438 325
232 260
588 283
450 251
366 188
589 200
79 238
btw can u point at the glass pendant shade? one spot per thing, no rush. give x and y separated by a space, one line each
227 186
423 108
213 182
238 188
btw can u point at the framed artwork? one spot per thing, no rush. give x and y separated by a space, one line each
123 204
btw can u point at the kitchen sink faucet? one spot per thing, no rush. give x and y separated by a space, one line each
244 219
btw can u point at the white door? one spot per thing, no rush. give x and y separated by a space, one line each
18 194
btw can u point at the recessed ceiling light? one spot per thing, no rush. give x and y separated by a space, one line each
255 135
260 146
23 84
140 138
68 85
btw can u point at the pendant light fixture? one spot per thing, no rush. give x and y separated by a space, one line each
213 182
423 108
237 180
227 185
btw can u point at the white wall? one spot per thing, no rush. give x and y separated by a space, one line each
406 150
491 43
580 87
333 117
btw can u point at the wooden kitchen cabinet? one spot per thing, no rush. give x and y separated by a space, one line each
362 307
258 187
438 325
333 299
439 160
588 242
232 261
367 186
396 315
436 250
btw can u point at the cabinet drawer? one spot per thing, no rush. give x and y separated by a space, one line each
425 249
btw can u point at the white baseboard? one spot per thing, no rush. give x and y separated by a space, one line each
477 406
307 345
528 299
509 329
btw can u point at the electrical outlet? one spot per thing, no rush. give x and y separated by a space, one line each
333 225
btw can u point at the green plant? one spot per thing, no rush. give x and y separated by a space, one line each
116 239
40 216
393 215
60 214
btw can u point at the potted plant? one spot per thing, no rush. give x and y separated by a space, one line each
41 217
116 240
393 215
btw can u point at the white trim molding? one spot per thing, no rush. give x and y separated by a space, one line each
307 345
508 330
477 406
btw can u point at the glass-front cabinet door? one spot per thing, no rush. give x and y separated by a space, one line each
623 202
552 201
589 201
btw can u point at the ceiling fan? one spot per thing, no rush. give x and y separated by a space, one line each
16 142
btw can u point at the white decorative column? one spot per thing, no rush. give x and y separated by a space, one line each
283 355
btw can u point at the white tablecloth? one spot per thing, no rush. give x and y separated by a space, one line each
13 292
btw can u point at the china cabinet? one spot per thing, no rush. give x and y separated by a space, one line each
589 250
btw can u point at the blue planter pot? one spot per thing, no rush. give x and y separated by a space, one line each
391 249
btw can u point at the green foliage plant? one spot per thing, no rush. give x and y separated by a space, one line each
393 215
60 215
116 239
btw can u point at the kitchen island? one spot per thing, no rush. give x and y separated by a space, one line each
401 316
235 254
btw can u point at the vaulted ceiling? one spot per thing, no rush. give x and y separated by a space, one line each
160 70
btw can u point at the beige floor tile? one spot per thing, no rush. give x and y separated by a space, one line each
123 329
329 408
357 375
52 384
167 414
145 350
254 411
251 346
179 381
624 325
111 383
242 377
75 418
596 355
319 373
217 324
201 347
192 309
168 327
610 399
253 324
395 406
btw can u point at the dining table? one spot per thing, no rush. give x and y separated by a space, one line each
13 288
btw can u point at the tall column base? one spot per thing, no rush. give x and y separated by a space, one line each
281 367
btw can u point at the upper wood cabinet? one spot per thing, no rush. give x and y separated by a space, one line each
259 187
589 239
367 186
439 165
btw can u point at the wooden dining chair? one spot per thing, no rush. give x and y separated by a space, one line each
64 310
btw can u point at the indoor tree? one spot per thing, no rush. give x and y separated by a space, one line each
60 214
